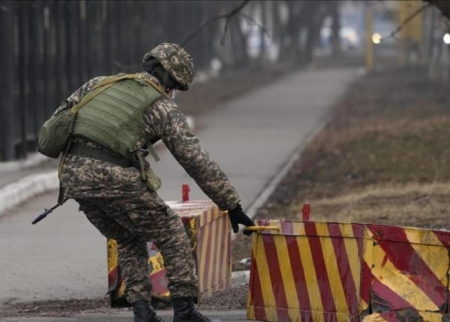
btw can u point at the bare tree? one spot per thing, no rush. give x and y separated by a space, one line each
333 7
443 6
300 35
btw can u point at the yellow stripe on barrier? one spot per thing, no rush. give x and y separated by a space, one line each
367 255
264 273
310 273
112 255
333 273
351 247
212 252
226 274
202 267
436 257
376 317
287 275
389 275
216 253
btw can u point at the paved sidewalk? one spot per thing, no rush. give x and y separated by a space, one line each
254 138
19 183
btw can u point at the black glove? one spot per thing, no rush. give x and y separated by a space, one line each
237 216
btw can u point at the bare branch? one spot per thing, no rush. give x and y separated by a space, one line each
255 23
406 21
227 16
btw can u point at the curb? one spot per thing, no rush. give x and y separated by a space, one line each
22 190
32 160
240 278
13 194
281 173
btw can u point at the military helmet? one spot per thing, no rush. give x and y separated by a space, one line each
176 61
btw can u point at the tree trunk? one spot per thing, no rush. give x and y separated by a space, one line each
312 28
333 7
239 44
290 35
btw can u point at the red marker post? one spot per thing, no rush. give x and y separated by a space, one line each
185 192
306 211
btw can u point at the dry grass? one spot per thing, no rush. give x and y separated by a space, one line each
418 205
385 146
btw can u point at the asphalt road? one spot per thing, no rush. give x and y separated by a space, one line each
224 316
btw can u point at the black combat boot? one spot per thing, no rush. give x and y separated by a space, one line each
185 311
143 312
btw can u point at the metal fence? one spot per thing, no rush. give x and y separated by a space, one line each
49 48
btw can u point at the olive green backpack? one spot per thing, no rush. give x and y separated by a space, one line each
54 135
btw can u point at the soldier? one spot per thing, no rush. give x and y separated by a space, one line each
105 171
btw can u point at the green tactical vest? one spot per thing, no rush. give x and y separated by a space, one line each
114 118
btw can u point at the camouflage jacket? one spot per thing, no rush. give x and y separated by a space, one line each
164 121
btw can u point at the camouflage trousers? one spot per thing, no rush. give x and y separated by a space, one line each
120 206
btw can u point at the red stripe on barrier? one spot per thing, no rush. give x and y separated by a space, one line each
215 252
385 299
358 233
366 279
222 248
201 263
200 239
299 274
321 271
404 257
366 274
275 277
444 237
208 253
256 293
112 277
159 282
344 268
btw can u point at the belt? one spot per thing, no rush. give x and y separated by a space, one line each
98 154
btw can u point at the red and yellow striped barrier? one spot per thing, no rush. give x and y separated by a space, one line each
317 271
209 232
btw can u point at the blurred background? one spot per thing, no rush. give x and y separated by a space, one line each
49 48
349 113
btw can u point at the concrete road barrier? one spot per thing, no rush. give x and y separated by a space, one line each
209 233
320 271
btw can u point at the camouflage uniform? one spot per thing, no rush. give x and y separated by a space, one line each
121 207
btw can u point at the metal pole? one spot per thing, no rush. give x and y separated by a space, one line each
369 32
6 88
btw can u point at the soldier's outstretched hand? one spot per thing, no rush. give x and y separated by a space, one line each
237 216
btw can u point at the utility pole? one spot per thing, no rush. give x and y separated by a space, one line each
369 33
